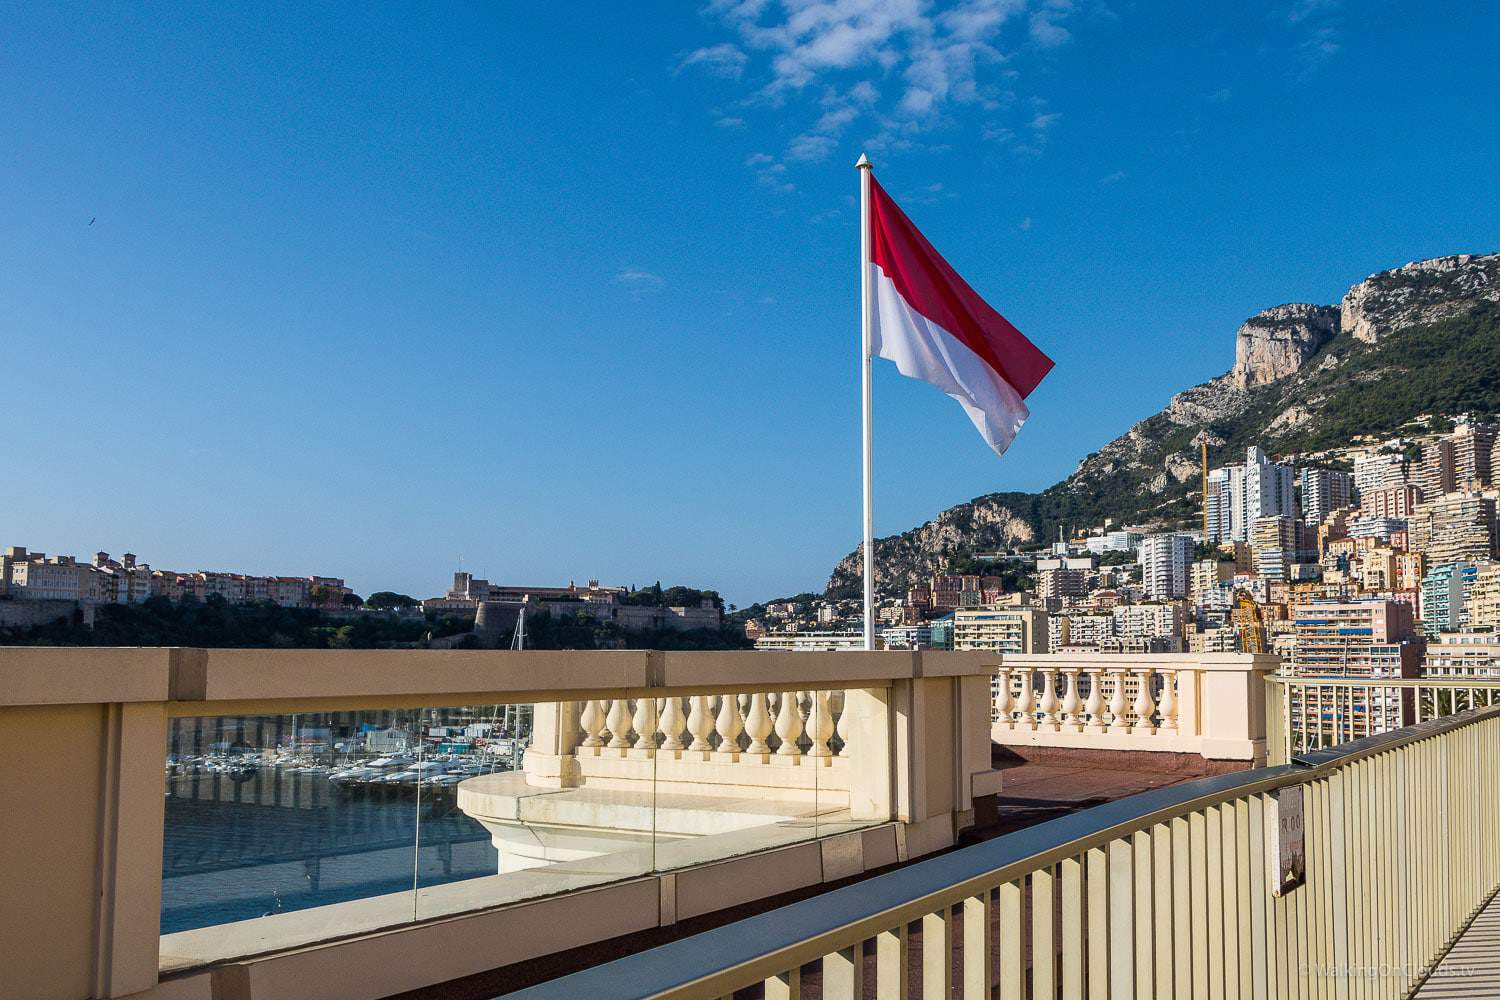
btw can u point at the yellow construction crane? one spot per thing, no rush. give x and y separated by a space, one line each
1248 623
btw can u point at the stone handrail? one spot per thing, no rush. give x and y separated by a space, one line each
1205 704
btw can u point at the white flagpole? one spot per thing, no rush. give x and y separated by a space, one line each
866 410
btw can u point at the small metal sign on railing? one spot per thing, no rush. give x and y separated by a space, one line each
1288 846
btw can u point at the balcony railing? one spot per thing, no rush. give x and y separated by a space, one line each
284 823
1204 704
1344 873
1309 713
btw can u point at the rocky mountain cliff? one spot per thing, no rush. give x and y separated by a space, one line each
1305 377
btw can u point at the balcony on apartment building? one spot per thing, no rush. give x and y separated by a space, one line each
186 824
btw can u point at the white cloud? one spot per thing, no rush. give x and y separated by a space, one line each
810 148
769 172
1047 30
730 121
638 279
724 60
894 71
1024 225
1114 178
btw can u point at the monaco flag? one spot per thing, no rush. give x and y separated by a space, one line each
927 319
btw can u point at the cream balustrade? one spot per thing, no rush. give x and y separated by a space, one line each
795 742
1205 704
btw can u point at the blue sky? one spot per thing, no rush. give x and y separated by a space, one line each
570 290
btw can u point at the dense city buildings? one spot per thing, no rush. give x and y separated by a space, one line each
35 576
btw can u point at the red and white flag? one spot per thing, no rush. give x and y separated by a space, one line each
927 319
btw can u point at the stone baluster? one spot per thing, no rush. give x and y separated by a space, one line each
1071 703
844 725
1166 709
618 724
700 722
1145 705
789 725
671 724
1026 703
819 725
1117 703
729 725
758 725
592 721
1094 706
645 726
1004 704
1048 703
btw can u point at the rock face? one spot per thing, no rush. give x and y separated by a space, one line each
1291 373
1277 342
1424 291
901 560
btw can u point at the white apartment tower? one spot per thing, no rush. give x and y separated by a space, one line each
1239 494
1323 492
1166 562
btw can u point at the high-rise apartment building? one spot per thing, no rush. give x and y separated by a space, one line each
1472 455
1379 470
1002 630
1278 544
1392 502
1239 494
1349 639
1483 604
1446 591
1454 527
1164 565
1323 491
1064 576
1434 475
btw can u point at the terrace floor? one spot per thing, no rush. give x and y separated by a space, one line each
1471 969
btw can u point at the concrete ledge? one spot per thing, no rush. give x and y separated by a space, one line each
415 955
69 675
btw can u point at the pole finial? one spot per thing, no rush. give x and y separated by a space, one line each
864 163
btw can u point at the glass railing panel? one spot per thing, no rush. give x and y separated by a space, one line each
553 798
274 824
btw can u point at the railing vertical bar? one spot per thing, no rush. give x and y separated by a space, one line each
937 953
1097 874
1326 888
1313 888
1012 965
1072 927
1182 910
1121 921
1244 953
1279 954
1162 919
1228 874
1340 885
1259 891
1144 925
1215 912
976 954
784 985
1198 872
844 974
1043 950
891 970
